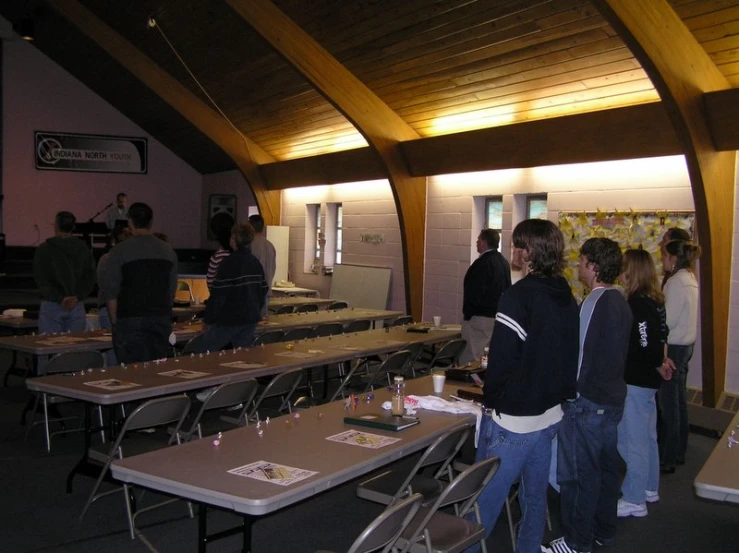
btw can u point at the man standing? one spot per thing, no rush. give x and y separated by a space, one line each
64 271
117 212
237 296
140 275
264 251
532 371
588 460
486 279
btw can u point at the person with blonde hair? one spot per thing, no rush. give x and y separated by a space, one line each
645 369
681 306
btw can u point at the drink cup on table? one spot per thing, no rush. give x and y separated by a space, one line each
438 379
437 321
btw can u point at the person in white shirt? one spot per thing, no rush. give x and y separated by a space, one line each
265 252
681 307
117 212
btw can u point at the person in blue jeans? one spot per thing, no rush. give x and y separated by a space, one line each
587 455
64 271
531 371
646 366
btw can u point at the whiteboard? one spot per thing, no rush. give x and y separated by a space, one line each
361 286
280 238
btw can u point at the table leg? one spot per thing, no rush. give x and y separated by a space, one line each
204 539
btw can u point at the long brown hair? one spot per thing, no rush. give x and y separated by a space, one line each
641 275
686 253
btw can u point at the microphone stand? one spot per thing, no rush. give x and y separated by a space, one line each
106 208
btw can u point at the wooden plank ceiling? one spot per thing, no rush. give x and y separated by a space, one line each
443 66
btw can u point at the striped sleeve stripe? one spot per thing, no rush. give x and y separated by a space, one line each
513 325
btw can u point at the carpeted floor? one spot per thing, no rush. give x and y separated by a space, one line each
39 516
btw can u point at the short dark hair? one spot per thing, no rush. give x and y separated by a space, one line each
676 233
119 234
491 238
243 234
65 221
607 257
121 195
141 215
544 244
257 221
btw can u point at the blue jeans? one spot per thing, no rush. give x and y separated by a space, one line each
637 444
673 408
587 471
216 337
524 457
137 339
52 317
105 324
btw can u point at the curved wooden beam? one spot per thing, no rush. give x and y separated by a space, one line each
682 72
245 153
382 127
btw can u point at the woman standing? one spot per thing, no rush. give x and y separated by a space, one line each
681 305
645 366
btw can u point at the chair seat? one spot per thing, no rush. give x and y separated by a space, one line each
382 488
449 534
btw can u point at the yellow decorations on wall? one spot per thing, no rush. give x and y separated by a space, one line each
631 229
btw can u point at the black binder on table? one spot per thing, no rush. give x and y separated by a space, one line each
383 421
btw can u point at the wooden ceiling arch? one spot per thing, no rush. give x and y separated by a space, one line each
246 154
383 129
682 73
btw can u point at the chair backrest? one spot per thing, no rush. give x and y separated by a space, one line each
284 385
400 321
306 308
184 287
338 305
449 353
358 326
298 333
162 411
384 531
269 337
394 364
284 309
226 395
75 361
442 453
329 329
462 492
415 349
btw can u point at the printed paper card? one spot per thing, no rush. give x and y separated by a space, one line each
363 439
182 373
243 365
265 471
296 354
112 384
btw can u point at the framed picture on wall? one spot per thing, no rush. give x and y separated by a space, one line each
221 214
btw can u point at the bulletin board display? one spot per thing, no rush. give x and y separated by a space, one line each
631 229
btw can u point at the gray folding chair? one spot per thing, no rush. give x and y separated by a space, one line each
155 413
435 531
392 485
298 333
328 329
64 363
269 337
306 308
446 356
282 385
401 321
383 532
395 364
284 310
226 395
338 305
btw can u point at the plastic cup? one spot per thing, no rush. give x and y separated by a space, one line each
438 379
437 321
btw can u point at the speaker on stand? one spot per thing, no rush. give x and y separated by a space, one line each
221 214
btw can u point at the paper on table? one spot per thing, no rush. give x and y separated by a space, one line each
295 354
272 472
363 439
184 373
112 384
243 365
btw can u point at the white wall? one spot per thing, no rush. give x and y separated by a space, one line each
227 182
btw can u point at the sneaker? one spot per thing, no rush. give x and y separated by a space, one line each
652 496
626 509
558 546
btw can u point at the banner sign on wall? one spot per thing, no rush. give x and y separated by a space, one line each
90 152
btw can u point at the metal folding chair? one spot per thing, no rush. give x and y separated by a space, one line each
226 395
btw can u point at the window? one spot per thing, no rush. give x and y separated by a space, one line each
339 231
536 206
494 214
318 235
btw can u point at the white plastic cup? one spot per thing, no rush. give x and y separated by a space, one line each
437 321
438 379
197 300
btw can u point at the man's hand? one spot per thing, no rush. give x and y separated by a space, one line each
667 369
69 302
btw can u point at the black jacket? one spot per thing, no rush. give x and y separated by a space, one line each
647 342
534 349
486 279
238 291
